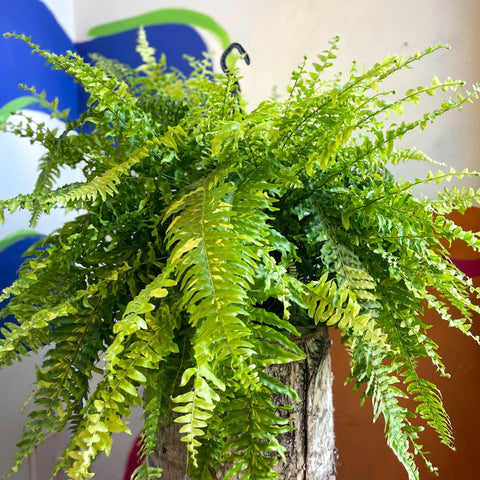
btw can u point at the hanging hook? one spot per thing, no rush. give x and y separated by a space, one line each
223 62
223 59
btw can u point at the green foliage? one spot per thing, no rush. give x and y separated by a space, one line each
196 216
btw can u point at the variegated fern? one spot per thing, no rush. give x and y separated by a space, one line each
194 214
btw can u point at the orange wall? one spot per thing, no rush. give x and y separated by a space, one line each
362 449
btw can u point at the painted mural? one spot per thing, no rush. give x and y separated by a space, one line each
172 31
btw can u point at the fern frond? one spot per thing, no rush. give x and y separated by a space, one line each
121 71
408 154
103 185
338 307
107 408
145 472
367 368
205 259
145 50
449 230
253 430
126 361
430 407
348 268
95 81
62 382
34 329
156 409
455 199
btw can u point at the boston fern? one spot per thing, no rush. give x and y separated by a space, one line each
194 217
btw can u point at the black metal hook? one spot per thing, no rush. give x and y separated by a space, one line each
223 62
223 59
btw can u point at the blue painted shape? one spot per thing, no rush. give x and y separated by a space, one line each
172 39
33 18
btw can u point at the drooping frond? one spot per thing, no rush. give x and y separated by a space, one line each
205 257
381 382
143 340
62 381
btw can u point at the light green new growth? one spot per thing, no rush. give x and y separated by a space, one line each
198 215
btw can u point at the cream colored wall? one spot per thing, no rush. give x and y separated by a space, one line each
276 34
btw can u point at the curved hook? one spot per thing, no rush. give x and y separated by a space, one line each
223 63
241 50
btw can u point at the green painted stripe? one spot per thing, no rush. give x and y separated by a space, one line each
16 237
15 105
166 15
